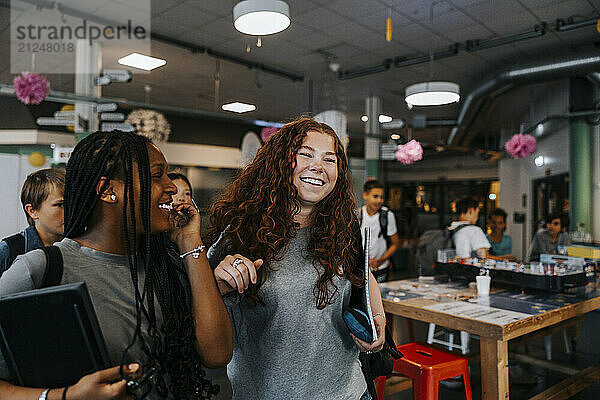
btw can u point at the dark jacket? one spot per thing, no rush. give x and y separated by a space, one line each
32 242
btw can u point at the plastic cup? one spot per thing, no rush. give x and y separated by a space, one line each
483 285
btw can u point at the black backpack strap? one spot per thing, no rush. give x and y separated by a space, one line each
453 232
16 246
383 222
54 266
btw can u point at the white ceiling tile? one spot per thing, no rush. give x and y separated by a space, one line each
321 19
221 8
191 17
550 11
316 41
159 6
355 9
223 27
167 27
473 32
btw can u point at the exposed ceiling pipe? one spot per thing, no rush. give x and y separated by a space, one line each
540 72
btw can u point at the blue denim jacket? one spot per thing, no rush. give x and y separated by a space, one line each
32 242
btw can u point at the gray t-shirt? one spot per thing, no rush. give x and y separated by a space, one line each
289 349
542 244
109 283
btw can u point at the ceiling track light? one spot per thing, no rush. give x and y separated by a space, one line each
400 62
261 17
562 25
476 45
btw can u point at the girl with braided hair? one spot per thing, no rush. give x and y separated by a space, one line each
158 312
292 211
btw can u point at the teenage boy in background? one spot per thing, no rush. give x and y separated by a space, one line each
469 241
384 233
546 241
42 200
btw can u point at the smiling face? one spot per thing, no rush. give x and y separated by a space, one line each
316 169
162 190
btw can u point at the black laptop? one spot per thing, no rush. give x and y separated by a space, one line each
51 337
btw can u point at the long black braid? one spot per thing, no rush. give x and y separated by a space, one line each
170 347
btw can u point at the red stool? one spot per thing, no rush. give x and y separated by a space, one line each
379 386
427 366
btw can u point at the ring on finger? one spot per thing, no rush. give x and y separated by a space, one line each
236 262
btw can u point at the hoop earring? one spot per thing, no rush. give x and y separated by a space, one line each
113 197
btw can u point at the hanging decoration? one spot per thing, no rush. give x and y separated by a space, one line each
267 132
388 27
31 88
521 146
151 124
410 152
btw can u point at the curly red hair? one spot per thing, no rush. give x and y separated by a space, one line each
260 205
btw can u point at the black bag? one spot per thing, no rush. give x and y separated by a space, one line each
377 364
381 363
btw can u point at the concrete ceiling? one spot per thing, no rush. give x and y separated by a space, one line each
349 32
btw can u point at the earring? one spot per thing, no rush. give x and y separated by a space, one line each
113 197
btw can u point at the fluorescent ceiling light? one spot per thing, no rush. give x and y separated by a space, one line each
261 17
364 118
238 107
137 60
384 118
432 93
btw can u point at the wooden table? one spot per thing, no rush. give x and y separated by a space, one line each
493 337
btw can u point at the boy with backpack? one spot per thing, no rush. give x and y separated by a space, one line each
469 241
42 200
384 233
463 235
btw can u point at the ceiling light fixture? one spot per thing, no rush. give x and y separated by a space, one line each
261 17
238 107
141 61
539 161
384 118
432 93
395 136
364 118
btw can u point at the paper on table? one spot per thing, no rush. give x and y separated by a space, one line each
492 315
367 299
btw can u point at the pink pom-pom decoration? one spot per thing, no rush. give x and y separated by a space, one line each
520 146
410 152
31 88
267 132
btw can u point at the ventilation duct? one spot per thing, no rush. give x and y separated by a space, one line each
485 93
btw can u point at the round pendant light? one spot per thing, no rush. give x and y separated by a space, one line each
261 17
432 93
